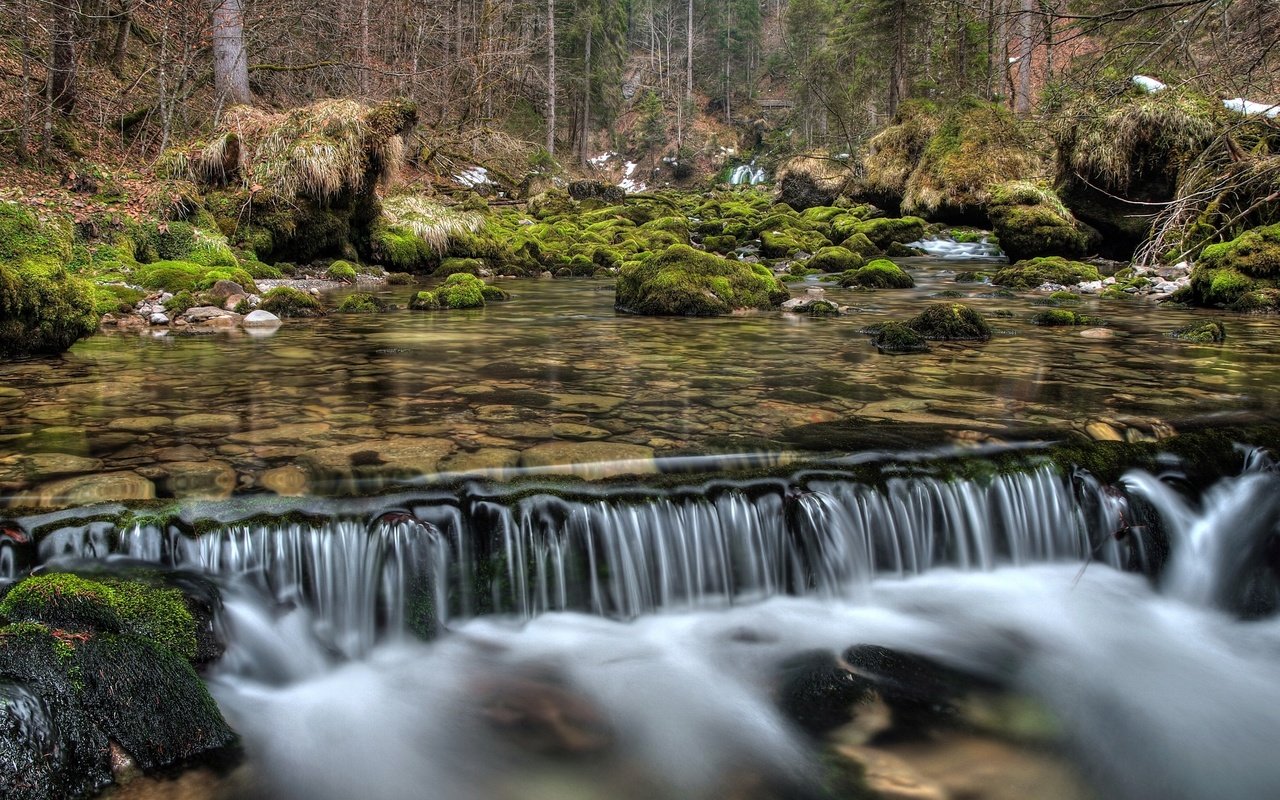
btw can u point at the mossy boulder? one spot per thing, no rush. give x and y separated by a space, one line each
858 242
457 266
787 241
894 337
43 307
99 660
686 282
1031 221
424 301
362 303
1242 274
835 259
341 271
885 231
879 274
1207 332
400 247
285 301
1033 272
461 291
1062 317
950 321
179 276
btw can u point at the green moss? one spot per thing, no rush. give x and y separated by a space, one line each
116 299
180 302
950 321
43 307
883 232
362 303
235 275
401 248
461 291
1031 221
1254 253
894 337
342 271
493 293
169 276
68 601
1033 272
879 274
400 279
834 259
1059 317
257 269
684 281
860 244
285 301
424 301
1207 332
456 266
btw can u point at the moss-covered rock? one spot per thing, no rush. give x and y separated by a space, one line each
43 307
285 301
1242 274
179 276
834 259
424 301
457 266
1207 332
97 660
687 282
1062 317
887 230
341 271
362 303
879 274
461 291
950 321
1033 272
894 337
1030 221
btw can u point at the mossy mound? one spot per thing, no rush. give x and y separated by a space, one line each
1033 272
94 661
1207 332
879 274
834 259
461 291
950 321
894 337
69 601
363 303
285 301
43 307
682 281
1030 221
459 266
1254 253
885 231
180 276
895 153
424 301
341 271
1062 317
976 145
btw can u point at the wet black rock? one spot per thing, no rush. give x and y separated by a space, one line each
818 693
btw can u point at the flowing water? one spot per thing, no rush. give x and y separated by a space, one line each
350 403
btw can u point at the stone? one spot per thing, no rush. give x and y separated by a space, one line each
203 315
260 318
887 777
159 318
48 465
198 480
590 459
97 488
138 424
577 432
378 459
1098 333
282 434
586 402
1103 432
184 452
207 422
226 288
493 461
287 481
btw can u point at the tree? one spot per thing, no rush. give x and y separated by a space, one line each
230 64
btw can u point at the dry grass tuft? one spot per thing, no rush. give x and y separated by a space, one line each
433 223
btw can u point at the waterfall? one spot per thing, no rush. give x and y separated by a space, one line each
747 175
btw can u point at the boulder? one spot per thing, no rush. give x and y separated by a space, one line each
260 319
682 281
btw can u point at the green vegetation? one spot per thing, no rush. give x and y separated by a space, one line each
894 337
1030 221
285 302
461 291
43 307
68 601
362 303
1033 272
684 281
1059 317
879 274
834 259
341 271
1207 332
950 321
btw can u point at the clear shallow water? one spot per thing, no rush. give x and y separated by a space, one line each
556 376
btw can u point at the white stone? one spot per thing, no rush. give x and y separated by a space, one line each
260 318
1090 287
159 319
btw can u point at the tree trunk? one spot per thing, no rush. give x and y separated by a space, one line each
62 69
898 59
364 48
230 64
551 77
586 95
1022 103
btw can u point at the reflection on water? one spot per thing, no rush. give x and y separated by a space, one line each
556 376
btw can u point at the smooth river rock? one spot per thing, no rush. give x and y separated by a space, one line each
260 319
198 480
385 459
591 459
99 488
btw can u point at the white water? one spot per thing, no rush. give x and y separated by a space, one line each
957 251
747 175
1161 696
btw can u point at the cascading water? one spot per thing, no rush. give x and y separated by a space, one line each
640 630
951 250
747 175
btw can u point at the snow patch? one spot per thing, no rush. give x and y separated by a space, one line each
1148 84
473 177
1250 108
